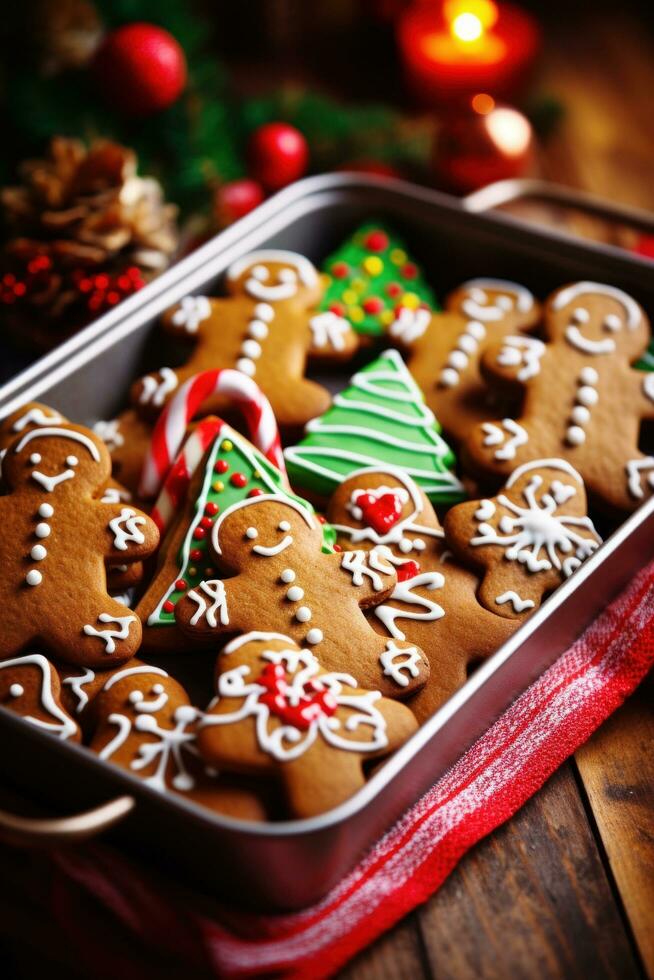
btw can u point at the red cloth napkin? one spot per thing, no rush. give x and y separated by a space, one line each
492 780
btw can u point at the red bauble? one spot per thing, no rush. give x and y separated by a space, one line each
140 69
478 146
236 199
278 154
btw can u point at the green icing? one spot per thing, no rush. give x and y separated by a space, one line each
646 362
381 418
367 293
229 450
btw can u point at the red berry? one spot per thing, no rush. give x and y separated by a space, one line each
376 241
140 69
373 305
238 480
181 585
199 533
339 270
211 508
236 199
168 606
221 466
196 554
278 154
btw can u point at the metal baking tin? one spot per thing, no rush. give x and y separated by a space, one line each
290 864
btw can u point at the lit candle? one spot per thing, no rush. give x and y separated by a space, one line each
454 49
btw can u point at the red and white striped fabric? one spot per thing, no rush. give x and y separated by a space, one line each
170 430
492 780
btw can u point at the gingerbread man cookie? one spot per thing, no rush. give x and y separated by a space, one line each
127 437
287 584
434 603
528 539
144 722
30 687
445 348
278 712
58 536
264 328
582 399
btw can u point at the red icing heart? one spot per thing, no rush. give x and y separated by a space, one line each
380 513
311 705
407 570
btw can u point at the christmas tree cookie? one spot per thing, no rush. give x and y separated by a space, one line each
370 279
380 418
233 470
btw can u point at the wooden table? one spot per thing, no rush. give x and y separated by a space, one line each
566 888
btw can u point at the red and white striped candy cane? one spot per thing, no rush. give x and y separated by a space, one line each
173 492
170 430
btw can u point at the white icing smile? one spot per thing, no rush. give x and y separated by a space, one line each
575 337
274 549
286 287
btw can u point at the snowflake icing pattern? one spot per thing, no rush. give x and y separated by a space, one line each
536 535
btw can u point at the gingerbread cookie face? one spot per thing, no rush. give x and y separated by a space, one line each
30 687
528 539
288 584
434 603
445 349
144 722
277 711
582 399
57 531
263 328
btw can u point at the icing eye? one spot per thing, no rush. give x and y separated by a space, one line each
259 272
580 315
72 460
135 697
284 526
612 323
16 690
157 689
287 275
252 533
35 458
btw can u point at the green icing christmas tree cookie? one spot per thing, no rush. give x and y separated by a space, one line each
233 469
380 418
370 278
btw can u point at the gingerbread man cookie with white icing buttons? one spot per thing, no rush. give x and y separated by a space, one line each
277 712
526 540
264 328
143 722
445 348
286 583
30 687
582 399
434 603
58 536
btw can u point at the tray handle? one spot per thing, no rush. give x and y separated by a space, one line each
505 191
50 831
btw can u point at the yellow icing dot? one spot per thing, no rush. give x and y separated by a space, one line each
387 316
256 475
358 285
398 256
227 445
410 300
355 314
218 486
349 296
192 571
373 265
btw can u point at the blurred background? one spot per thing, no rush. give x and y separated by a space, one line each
135 129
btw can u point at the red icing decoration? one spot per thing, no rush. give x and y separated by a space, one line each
211 508
337 308
409 271
340 270
199 533
380 513
255 493
373 305
376 241
311 706
221 466
238 480
181 584
393 289
337 548
206 522
196 554
168 606
407 570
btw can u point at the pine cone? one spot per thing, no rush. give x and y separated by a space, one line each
85 216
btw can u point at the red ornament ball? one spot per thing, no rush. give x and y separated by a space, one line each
278 154
140 69
236 199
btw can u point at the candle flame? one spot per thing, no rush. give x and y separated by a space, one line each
468 20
